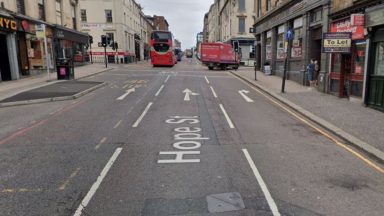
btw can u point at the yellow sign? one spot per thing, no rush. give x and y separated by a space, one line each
7 23
337 42
40 34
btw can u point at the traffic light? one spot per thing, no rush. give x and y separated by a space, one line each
236 46
104 40
90 39
115 46
108 40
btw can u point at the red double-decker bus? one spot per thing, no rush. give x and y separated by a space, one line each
162 49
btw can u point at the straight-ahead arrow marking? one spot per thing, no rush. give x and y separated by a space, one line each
129 91
243 94
188 93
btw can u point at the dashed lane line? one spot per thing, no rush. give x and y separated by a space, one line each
166 80
117 124
99 180
69 179
213 92
206 79
159 91
136 124
264 188
230 123
102 141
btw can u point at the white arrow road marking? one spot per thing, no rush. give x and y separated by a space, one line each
242 93
188 93
129 91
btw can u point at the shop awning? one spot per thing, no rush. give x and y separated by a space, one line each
63 33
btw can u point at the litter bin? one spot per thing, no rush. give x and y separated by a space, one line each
267 69
65 69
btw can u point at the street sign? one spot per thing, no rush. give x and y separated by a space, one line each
289 35
337 42
252 30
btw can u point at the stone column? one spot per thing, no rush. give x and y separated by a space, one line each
262 50
305 47
274 50
325 58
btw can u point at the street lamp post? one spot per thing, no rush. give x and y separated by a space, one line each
288 37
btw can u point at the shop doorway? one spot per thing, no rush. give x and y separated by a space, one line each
5 69
315 48
340 74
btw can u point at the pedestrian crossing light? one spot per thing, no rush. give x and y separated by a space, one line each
104 41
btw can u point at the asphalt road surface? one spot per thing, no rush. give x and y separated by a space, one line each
179 141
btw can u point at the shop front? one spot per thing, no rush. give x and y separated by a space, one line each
31 47
375 76
9 69
70 44
347 69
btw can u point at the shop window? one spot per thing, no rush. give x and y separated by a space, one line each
268 49
41 9
379 59
108 16
280 54
359 57
83 14
297 43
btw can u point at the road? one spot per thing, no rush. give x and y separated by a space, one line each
179 141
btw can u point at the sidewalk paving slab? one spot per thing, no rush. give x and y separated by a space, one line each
360 126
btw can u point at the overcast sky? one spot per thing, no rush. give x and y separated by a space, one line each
185 17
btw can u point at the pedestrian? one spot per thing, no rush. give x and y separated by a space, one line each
317 72
311 72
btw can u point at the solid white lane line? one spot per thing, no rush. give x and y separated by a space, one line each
96 185
264 188
213 92
158 92
230 123
166 80
206 79
142 115
118 124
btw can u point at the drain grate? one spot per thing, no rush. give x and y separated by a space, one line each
225 202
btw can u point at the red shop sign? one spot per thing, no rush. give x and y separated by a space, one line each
345 26
357 19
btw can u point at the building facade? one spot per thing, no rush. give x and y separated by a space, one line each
308 20
123 22
228 21
23 26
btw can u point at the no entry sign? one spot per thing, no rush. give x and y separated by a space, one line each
337 42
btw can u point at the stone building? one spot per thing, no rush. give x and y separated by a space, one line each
229 21
123 22
22 48
307 20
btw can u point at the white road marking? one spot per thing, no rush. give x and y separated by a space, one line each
246 98
206 79
213 92
158 92
230 123
96 185
166 80
142 115
267 194
188 93
129 91
102 141
118 124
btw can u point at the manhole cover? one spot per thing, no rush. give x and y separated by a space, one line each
225 202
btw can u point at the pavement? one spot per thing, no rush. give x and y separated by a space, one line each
41 88
352 121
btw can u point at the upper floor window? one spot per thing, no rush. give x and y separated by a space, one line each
317 15
41 9
73 15
83 14
268 5
258 8
241 5
241 24
20 6
108 16
58 12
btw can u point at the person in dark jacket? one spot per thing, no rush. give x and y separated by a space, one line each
311 72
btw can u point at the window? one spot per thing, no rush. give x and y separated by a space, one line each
83 14
73 15
379 59
268 5
20 6
41 10
317 15
258 8
58 12
108 16
280 54
241 5
241 25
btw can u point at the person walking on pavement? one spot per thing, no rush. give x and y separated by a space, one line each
317 72
311 72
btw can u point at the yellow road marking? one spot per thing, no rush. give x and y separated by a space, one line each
324 133
21 190
66 183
